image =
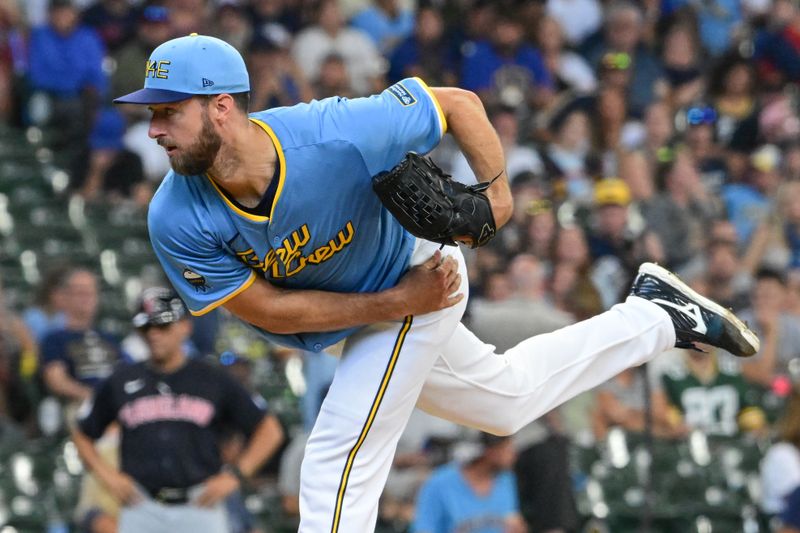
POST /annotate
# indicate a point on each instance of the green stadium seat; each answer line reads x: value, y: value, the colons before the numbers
x: 108, y: 222
x: 25, y: 196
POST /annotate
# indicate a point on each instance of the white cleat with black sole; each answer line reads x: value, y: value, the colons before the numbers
x: 695, y: 317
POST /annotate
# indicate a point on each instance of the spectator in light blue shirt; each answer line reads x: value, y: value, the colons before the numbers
x: 479, y: 496
x: 47, y: 312
x: 386, y: 23
x: 750, y: 204
x: 718, y: 19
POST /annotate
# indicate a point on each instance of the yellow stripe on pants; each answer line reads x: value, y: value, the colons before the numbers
x: 376, y: 403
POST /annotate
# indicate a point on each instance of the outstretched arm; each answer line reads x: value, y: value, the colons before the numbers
x: 469, y: 125
x: 424, y: 289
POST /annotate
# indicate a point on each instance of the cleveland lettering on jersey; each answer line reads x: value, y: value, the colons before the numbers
x: 167, y: 408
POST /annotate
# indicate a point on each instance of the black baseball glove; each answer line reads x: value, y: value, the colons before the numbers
x: 430, y: 205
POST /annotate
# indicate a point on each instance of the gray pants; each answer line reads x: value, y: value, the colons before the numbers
x: 150, y: 516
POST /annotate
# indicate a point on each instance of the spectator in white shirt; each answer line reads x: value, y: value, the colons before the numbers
x: 330, y: 36
x: 569, y: 70
x: 577, y: 28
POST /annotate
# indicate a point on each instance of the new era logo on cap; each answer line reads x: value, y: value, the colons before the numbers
x: 207, y: 82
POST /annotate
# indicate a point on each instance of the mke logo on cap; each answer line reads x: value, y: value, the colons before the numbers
x: 157, y: 69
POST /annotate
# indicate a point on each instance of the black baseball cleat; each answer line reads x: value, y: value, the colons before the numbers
x: 696, y: 318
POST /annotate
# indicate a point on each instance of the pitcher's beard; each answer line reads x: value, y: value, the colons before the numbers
x: 200, y: 156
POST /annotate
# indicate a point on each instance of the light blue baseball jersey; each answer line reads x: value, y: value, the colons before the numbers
x: 327, y: 229
x: 448, y: 504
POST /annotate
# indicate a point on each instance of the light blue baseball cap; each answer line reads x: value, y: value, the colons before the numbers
x: 188, y: 66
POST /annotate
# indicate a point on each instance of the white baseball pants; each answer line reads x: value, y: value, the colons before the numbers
x: 434, y: 362
x: 151, y: 516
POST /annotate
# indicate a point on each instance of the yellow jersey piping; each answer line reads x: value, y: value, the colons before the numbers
x: 281, y: 179
x: 214, y: 305
x: 442, y: 120
x: 281, y: 160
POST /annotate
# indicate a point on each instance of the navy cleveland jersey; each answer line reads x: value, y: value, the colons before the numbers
x: 327, y: 230
x: 171, y: 423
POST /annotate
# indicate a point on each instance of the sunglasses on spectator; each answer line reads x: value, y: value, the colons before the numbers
x: 617, y: 61
x: 701, y: 115
x: 160, y: 327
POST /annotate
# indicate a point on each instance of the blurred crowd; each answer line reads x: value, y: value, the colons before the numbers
x: 657, y: 130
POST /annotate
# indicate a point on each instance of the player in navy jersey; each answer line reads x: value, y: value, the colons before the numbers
x: 172, y: 411
x: 272, y: 215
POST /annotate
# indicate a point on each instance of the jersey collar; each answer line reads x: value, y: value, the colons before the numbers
x: 281, y: 179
